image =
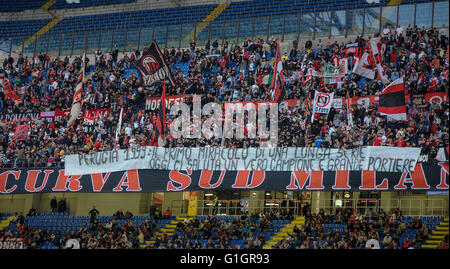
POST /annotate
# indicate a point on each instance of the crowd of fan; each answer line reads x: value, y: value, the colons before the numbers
x: 371, y: 230
x: 233, y: 73
x: 92, y: 235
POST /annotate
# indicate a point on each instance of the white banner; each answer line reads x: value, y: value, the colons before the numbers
x: 383, y: 159
x: 322, y: 103
x: 337, y: 103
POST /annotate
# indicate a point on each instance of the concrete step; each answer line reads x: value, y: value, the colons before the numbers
x: 436, y: 237
x: 167, y: 230
x: 433, y: 242
x: 430, y: 246
x: 438, y: 232
x: 278, y: 238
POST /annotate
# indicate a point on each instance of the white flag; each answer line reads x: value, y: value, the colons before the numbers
x: 322, y: 103
x: 119, y: 125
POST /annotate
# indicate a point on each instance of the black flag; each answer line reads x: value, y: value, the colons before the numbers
x: 153, y: 67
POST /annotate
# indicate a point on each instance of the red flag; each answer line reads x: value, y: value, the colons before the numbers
x: 161, y: 118
x: 278, y: 75
x: 21, y: 132
x: 9, y: 93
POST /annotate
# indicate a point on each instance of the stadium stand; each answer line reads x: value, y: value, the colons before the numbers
x: 52, y: 230
x: 16, y: 6
x: 40, y: 77
x: 230, y: 64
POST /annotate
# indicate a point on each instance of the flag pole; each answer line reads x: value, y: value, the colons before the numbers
x: 119, y: 126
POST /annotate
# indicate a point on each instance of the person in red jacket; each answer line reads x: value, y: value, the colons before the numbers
x: 377, y: 140
x: 168, y: 213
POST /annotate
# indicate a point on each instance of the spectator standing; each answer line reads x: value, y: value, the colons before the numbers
x: 62, y: 205
x: 168, y: 213
x: 93, y: 213
x: 53, y: 204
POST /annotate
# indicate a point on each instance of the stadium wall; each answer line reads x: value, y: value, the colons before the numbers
x: 139, y: 203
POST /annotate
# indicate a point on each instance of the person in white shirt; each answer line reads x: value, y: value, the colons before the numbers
x: 72, y: 243
x: 128, y: 130
x: 399, y: 30
x: 367, y: 120
x: 373, y: 243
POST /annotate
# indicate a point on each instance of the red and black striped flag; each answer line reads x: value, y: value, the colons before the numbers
x: 392, y: 100
x: 161, y: 117
x: 278, y: 76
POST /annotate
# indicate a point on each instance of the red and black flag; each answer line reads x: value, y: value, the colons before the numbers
x: 153, y: 67
x: 161, y: 117
x: 281, y: 89
x: 278, y: 76
x: 392, y: 100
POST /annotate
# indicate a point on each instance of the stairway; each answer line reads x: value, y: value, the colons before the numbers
x: 206, y: 21
x: 283, y: 233
x: 437, y: 235
x: 169, y: 229
x: 44, y: 29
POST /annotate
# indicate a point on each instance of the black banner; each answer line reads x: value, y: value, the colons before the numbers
x: 153, y: 67
x: 431, y: 176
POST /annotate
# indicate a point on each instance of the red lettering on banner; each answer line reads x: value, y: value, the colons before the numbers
x: 205, y: 179
x: 98, y: 181
x: 4, y: 178
x: 300, y: 177
x: 257, y: 179
x: 384, y: 185
x: 417, y: 178
x: 242, y: 178
x: 368, y: 181
x: 341, y: 180
x: 130, y: 179
x: 444, y: 174
x: 179, y: 178
x: 32, y: 176
x: 61, y: 182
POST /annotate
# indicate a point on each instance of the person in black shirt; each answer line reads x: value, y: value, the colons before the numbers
x: 53, y: 204
x: 93, y: 213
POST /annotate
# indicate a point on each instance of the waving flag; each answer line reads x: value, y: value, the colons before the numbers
x: 76, y: 103
x: 9, y: 93
x: 378, y: 47
x: 392, y: 100
x: 370, y: 64
x: 161, y: 117
x: 278, y: 74
x: 153, y: 66
x: 119, y: 126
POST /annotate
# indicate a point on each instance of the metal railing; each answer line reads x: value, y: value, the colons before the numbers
x: 409, y: 206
